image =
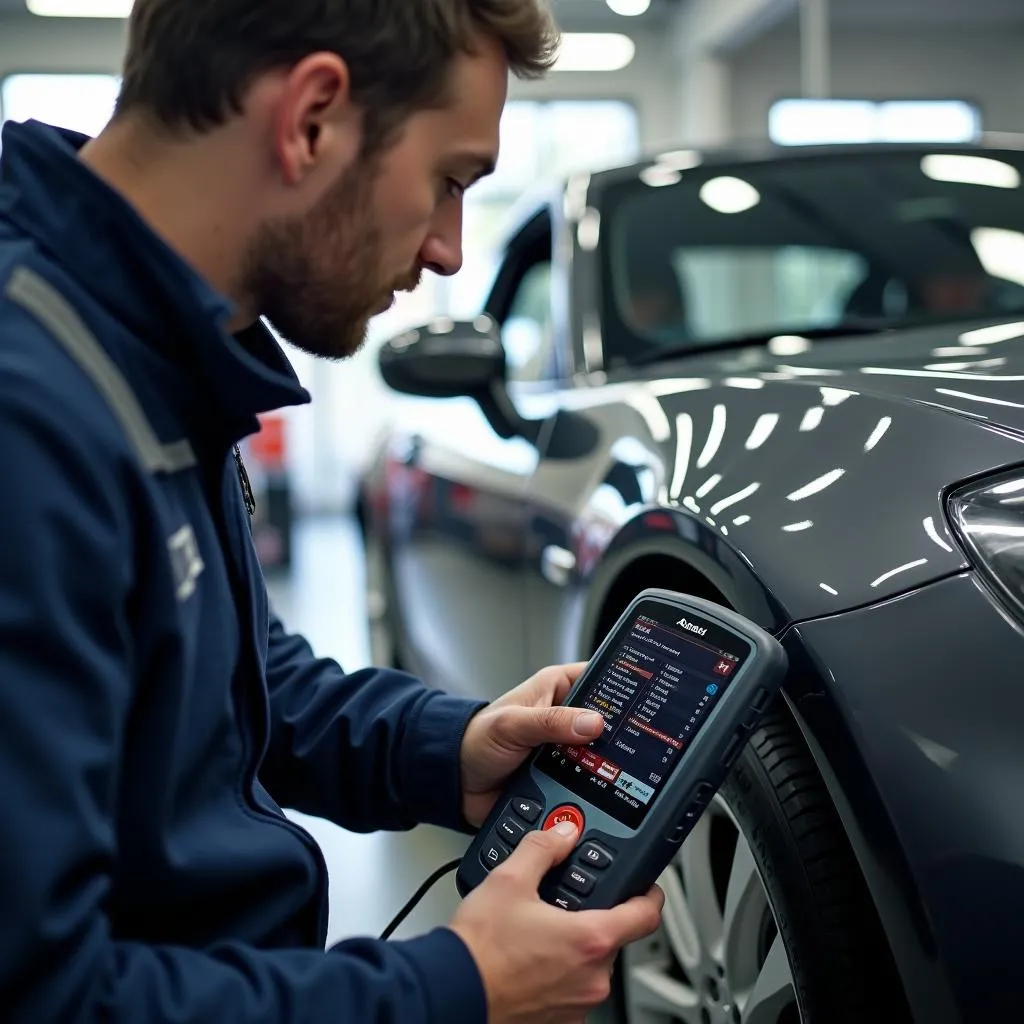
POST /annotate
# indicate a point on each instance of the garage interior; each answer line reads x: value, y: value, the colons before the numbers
x: 637, y: 77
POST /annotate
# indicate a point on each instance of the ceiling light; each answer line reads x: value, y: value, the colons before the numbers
x: 629, y: 8
x: 817, y: 485
x: 992, y: 335
x: 762, y: 430
x: 970, y: 170
x: 720, y: 506
x: 812, y: 418
x: 680, y: 159
x: 80, y: 8
x: 718, y: 419
x: 729, y: 195
x: 1001, y: 252
x: 588, y: 231
x: 595, y: 51
x: 659, y: 175
x: 835, y: 396
x: 788, y: 345
x: 878, y: 433
x: 900, y: 568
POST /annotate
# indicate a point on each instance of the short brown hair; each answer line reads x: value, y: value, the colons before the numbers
x: 189, y: 63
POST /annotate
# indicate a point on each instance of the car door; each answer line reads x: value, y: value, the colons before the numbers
x: 457, y: 562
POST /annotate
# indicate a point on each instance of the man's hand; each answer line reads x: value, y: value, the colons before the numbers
x: 500, y: 737
x: 539, y: 964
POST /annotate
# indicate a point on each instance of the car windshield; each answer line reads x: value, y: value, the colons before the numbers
x: 703, y: 257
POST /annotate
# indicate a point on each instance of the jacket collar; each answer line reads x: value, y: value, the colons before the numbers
x: 94, y: 235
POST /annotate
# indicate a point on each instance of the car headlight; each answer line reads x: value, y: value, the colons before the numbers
x: 989, y: 520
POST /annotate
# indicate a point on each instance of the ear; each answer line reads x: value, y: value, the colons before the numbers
x: 317, y: 127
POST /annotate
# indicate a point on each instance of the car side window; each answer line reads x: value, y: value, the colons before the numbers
x: 528, y: 330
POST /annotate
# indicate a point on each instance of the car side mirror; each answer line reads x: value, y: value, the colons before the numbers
x: 445, y: 359
x: 455, y: 359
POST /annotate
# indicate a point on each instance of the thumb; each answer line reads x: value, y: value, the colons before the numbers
x: 539, y: 852
x: 530, y: 727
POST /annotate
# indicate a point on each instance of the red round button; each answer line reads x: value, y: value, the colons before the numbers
x: 564, y: 813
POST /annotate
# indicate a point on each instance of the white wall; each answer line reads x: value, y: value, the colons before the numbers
x: 53, y: 44
x: 985, y: 65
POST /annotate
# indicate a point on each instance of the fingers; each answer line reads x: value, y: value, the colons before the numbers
x: 633, y: 920
x: 526, y: 728
x: 552, y: 684
x: 567, y: 676
x: 539, y: 852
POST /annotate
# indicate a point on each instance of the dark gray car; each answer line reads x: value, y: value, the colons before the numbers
x: 790, y: 382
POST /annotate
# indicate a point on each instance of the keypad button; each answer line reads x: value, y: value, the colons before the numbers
x: 579, y: 880
x: 593, y: 856
x: 511, y: 831
x: 566, y: 901
x: 564, y: 813
x: 493, y: 852
x: 678, y: 834
x: 703, y: 793
x: 528, y: 810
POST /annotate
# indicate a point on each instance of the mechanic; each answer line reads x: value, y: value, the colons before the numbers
x: 300, y: 160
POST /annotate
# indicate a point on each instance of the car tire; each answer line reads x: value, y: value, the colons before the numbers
x: 814, y: 910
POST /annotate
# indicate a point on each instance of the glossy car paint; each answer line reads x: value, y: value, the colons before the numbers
x: 923, y: 696
x: 808, y: 489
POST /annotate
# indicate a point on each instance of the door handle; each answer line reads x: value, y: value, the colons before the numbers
x: 557, y: 564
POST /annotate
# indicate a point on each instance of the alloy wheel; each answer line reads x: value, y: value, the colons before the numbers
x: 718, y: 957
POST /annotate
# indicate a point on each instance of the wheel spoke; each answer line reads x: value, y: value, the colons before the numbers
x: 745, y: 905
x: 773, y: 991
x: 700, y: 888
x: 678, y: 921
x: 653, y: 990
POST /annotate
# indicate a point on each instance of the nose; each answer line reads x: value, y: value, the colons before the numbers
x: 442, y: 251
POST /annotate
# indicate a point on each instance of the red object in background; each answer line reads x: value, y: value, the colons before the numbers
x: 268, y: 447
x: 723, y: 668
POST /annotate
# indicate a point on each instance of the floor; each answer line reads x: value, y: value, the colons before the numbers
x: 371, y: 876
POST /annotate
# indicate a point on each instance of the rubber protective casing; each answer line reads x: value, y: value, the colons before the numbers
x: 640, y: 855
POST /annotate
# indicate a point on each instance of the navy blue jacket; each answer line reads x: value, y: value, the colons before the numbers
x: 154, y: 714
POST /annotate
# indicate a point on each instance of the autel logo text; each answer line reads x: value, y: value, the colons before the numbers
x: 693, y: 627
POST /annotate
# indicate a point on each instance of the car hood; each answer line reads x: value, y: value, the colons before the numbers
x: 975, y: 372
x: 823, y: 473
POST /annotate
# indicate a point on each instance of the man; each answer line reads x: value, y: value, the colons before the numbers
x: 304, y: 160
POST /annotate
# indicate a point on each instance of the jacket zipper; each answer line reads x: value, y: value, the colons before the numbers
x: 243, y: 698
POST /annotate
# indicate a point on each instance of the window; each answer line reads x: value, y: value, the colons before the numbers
x: 540, y: 141
x: 804, y: 243
x: 527, y: 332
x: 82, y: 103
x: 732, y: 292
x: 802, y: 122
